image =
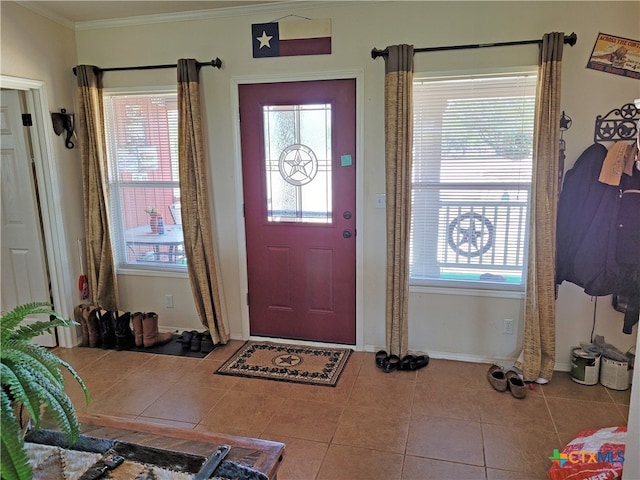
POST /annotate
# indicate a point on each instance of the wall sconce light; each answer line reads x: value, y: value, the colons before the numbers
x: 63, y: 122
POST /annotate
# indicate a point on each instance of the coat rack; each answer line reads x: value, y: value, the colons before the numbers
x: 619, y: 124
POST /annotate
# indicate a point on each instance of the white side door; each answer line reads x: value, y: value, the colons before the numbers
x: 24, y: 271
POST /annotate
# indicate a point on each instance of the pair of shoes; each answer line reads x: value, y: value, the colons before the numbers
x: 185, y: 339
x: 145, y: 328
x: 386, y: 362
x: 115, y: 329
x: 413, y: 362
x: 196, y: 341
x: 501, y: 381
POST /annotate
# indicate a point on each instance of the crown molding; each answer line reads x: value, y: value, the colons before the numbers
x: 44, y: 12
x: 278, y: 7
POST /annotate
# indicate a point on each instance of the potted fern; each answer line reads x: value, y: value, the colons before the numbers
x: 31, y: 379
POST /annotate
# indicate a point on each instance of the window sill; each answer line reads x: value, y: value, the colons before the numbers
x: 467, y: 292
x: 142, y: 272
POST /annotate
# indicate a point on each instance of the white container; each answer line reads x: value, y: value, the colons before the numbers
x: 585, y: 367
x: 614, y: 374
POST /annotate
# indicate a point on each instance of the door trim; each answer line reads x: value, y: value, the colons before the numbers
x: 243, y: 287
x: 48, y: 187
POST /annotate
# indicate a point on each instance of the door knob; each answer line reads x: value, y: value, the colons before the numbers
x: 347, y: 234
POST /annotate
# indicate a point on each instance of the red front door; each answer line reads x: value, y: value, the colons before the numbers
x: 298, y: 165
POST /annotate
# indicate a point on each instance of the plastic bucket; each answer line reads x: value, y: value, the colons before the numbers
x: 585, y: 367
x: 614, y: 374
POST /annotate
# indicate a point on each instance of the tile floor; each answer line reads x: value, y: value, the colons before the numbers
x: 441, y: 422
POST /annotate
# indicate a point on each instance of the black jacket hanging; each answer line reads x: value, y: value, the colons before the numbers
x: 598, y: 232
x: 585, y: 233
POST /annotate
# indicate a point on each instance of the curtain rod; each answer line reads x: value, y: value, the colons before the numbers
x: 568, y: 39
x: 213, y: 63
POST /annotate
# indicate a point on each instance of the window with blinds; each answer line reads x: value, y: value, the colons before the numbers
x: 142, y: 151
x: 471, y: 180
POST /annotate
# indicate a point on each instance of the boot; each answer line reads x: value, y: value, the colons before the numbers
x: 136, y: 320
x: 93, y: 326
x: 107, y: 329
x: 124, y: 336
x: 151, y: 336
x: 79, y: 316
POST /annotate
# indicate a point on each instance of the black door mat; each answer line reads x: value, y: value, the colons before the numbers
x: 172, y: 347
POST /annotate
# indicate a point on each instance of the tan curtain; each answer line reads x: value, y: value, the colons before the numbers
x: 539, y: 350
x: 103, y: 284
x: 200, y: 249
x: 398, y: 160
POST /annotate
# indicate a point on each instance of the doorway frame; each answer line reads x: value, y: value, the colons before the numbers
x: 243, y: 282
x: 55, y: 240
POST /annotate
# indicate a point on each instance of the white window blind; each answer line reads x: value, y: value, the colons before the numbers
x: 142, y: 150
x: 472, y: 166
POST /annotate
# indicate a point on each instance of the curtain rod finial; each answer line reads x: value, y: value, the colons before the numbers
x: 217, y: 63
x: 375, y: 53
x: 571, y: 39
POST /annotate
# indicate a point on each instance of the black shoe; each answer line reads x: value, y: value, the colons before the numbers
x: 124, y: 335
x: 107, y: 328
x: 381, y: 358
x: 185, y: 339
x: 206, y: 343
x: 391, y: 363
x: 406, y: 362
x: 196, y: 341
x: 419, y: 361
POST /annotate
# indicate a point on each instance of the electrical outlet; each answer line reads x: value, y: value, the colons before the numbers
x: 507, y: 326
x: 168, y: 301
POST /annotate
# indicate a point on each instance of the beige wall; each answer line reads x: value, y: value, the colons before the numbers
x: 467, y: 326
x: 36, y: 48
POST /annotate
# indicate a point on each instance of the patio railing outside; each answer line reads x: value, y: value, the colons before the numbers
x: 472, y: 240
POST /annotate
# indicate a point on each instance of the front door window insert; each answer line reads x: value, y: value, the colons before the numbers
x: 297, y: 146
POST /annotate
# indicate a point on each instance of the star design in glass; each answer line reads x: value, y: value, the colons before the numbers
x: 298, y: 164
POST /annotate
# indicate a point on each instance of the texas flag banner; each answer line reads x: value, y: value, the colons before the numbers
x: 296, y: 37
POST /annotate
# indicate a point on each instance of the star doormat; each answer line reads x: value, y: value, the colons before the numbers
x: 287, y: 363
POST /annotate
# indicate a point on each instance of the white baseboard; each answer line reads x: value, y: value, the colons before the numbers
x: 460, y: 357
x: 463, y: 357
x: 178, y: 330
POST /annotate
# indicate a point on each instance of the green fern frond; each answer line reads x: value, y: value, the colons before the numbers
x: 32, y: 330
x: 12, y: 319
x: 22, y: 389
x: 33, y: 357
x: 31, y: 376
x: 15, y: 463
x: 31, y: 393
x: 60, y: 407
x: 77, y: 378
